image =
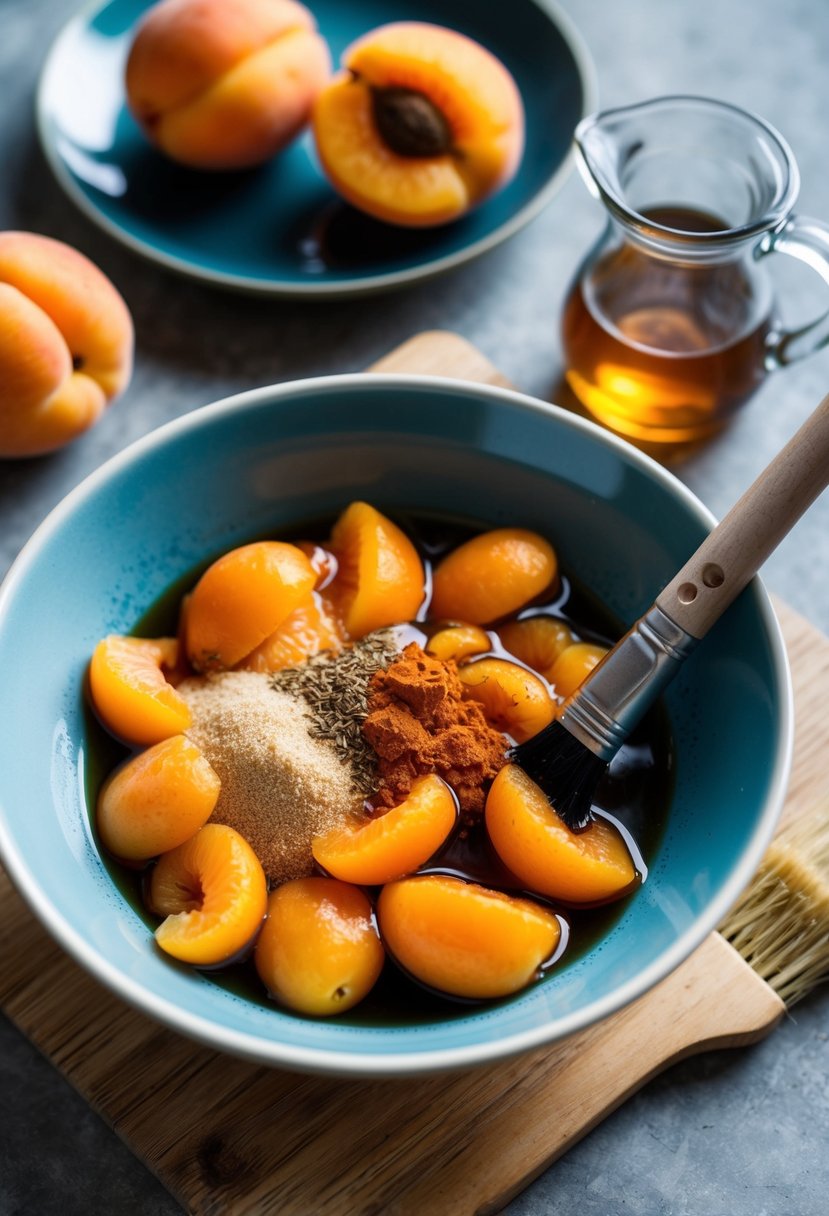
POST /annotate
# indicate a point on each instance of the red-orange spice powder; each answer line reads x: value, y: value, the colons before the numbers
x: 418, y: 722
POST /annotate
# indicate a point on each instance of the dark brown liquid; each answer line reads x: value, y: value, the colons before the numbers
x: 665, y: 353
x: 634, y: 794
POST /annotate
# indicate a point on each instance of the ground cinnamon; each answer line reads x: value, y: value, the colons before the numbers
x: 418, y: 722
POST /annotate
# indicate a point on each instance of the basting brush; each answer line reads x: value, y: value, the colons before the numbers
x: 568, y: 758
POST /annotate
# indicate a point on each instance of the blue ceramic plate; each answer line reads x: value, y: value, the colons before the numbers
x: 280, y: 229
x: 268, y: 460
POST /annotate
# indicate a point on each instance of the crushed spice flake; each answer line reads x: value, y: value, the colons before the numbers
x: 335, y: 691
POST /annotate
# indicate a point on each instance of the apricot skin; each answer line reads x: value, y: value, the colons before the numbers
x: 589, y: 867
x: 492, y: 575
x: 475, y: 98
x: 318, y: 952
x: 66, y: 343
x: 464, y: 939
x: 156, y: 800
x: 225, y: 84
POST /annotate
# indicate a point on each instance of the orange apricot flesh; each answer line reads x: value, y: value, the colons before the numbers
x: 492, y: 575
x: 310, y: 629
x: 318, y: 952
x: 513, y: 699
x: 242, y: 599
x: 573, y: 666
x: 458, y: 642
x: 537, y: 641
x: 157, y: 800
x: 130, y: 691
x: 212, y: 892
x: 380, y: 578
x: 395, y: 843
x: 587, y: 867
x: 464, y: 939
x: 417, y: 171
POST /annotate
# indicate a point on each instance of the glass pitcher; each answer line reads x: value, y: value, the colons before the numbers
x: 670, y: 324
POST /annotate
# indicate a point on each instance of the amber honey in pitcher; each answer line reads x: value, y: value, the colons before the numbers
x: 664, y: 352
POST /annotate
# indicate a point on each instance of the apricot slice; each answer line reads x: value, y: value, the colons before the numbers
x: 380, y: 578
x: 422, y: 125
x: 130, y: 691
x: 464, y: 939
x: 213, y: 895
x: 319, y: 952
x: 513, y: 699
x: 492, y: 575
x: 395, y: 843
x: 592, y: 866
x: 536, y: 641
x: 458, y: 642
x: 573, y: 665
x: 156, y: 800
x: 242, y: 599
x: 310, y: 629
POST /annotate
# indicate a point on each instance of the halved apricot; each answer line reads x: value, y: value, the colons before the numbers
x: 492, y: 575
x: 130, y: 691
x: 319, y: 952
x: 393, y: 844
x: 213, y: 895
x: 536, y: 641
x: 380, y: 578
x: 573, y: 666
x: 241, y: 599
x: 423, y: 124
x: 156, y: 800
x: 592, y: 866
x: 513, y: 699
x: 310, y: 629
x: 465, y: 939
x: 458, y: 642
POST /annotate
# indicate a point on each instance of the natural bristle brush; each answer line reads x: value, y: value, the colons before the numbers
x: 568, y: 758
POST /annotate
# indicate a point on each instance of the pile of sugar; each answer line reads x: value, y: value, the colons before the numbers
x: 280, y: 786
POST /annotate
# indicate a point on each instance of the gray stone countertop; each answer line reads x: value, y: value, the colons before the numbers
x: 742, y: 1133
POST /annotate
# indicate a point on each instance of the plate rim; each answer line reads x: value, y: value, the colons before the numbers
x: 343, y: 1062
x: 343, y: 288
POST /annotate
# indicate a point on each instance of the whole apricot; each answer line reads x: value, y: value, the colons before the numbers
x: 157, y: 800
x: 66, y: 343
x: 211, y: 890
x: 318, y: 952
x: 590, y: 867
x: 492, y: 575
x: 225, y: 84
x: 537, y: 641
x: 464, y: 939
x: 423, y: 124
x: 574, y: 665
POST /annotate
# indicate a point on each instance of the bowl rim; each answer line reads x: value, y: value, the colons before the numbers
x: 350, y: 288
x: 348, y: 1063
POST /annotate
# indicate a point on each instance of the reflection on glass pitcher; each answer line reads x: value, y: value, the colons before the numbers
x: 669, y: 325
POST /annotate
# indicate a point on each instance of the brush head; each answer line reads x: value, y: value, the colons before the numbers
x: 566, y: 771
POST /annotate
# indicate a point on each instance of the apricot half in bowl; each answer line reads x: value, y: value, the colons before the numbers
x: 262, y: 464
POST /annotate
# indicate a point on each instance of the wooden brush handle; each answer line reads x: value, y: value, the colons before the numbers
x: 736, y: 549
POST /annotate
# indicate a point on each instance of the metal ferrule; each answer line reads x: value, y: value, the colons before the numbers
x: 604, y: 710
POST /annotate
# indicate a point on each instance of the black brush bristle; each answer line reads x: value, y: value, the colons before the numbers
x: 566, y: 770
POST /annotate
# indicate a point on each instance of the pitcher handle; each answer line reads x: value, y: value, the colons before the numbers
x: 807, y: 240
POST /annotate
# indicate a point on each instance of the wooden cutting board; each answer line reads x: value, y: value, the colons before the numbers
x: 229, y: 1137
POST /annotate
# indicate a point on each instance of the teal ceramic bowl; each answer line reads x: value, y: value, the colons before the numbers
x: 270, y: 459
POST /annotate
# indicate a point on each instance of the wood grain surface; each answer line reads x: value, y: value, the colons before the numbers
x: 229, y: 1137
